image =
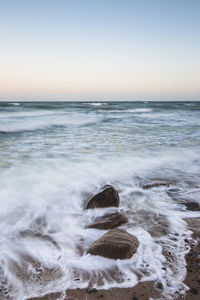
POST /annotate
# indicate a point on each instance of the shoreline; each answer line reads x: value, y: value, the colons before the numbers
x: 147, y: 290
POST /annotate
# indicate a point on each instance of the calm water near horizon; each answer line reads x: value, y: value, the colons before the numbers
x: 53, y: 154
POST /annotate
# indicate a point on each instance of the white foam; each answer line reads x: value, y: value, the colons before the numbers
x: 20, y: 114
x: 42, y: 123
x: 96, y: 103
x: 140, y: 110
x: 15, y: 103
x: 134, y: 110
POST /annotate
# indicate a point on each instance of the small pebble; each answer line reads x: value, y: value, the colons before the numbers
x: 194, y: 291
x: 159, y: 285
x: 90, y: 291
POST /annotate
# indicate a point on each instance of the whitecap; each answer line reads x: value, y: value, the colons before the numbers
x: 96, y: 103
x: 15, y: 103
x: 139, y: 110
x: 20, y: 114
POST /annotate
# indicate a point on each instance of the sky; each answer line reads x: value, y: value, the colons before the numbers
x: 99, y: 50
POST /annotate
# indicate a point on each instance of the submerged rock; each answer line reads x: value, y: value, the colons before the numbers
x: 107, y: 198
x: 155, y: 184
x: 43, y: 237
x: 116, y: 243
x: 193, y: 206
x: 186, y: 199
x: 109, y: 221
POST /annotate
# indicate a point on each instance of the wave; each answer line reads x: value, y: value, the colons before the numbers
x: 139, y: 110
x: 135, y: 111
x: 20, y: 114
x: 15, y: 103
x: 156, y: 115
x: 48, y: 197
x: 33, y: 125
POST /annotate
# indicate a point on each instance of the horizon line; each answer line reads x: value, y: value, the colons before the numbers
x: 93, y: 101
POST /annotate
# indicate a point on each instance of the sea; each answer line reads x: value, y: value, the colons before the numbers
x: 54, y: 156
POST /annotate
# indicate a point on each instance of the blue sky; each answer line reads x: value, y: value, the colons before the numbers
x: 87, y: 50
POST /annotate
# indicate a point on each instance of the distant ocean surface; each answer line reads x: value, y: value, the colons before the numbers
x: 54, y: 154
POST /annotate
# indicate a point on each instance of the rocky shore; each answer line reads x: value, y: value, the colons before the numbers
x: 119, y: 244
x: 147, y: 290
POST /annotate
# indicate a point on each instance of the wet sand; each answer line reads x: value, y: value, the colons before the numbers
x: 193, y: 262
x: 141, y: 291
x: 147, y: 290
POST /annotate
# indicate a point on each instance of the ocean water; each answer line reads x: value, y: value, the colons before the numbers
x: 55, y: 156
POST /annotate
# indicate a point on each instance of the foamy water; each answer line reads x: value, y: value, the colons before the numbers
x: 55, y: 156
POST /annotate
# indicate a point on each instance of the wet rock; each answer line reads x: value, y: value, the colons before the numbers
x: 107, y: 198
x: 190, y: 205
x: 194, y: 291
x: 159, y: 285
x: 116, y: 243
x: 91, y: 291
x: 194, y: 206
x: 186, y: 199
x: 109, y: 221
x: 155, y: 184
x: 156, y: 224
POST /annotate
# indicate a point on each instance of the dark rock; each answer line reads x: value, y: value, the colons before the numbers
x: 107, y: 198
x: 109, y: 221
x: 116, y: 243
x: 194, y: 291
x: 156, y: 184
x: 159, y: 285
x: 194, y: 206
x: 91, y: 291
